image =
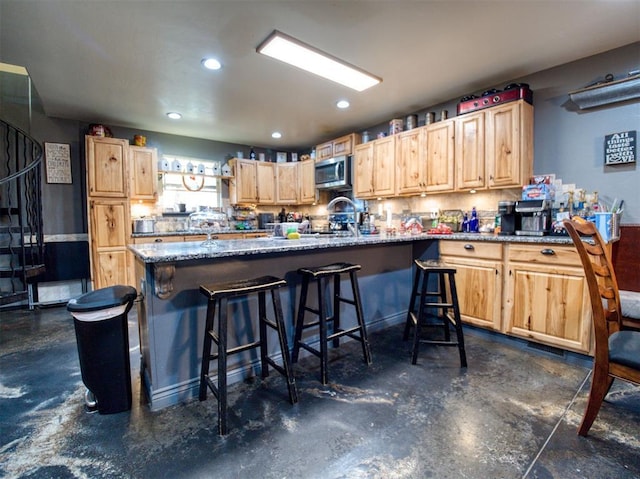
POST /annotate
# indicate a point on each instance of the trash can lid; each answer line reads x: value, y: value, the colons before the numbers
x: 103, y: 298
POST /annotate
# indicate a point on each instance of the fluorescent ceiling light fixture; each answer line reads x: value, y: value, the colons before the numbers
x: 276, y: 135
x: 211, y: 64
x: 342, y: 104
x: 174, y: 115
x: 289, y: 50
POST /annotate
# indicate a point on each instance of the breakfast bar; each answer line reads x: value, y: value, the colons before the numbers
x: 171, y: 310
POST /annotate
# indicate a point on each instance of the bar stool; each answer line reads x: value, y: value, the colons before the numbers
x: 322, y: 274
x: 434, y: 300
x: 218, y: 295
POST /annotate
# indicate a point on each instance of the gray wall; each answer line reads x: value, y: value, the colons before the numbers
x: 568, y: 143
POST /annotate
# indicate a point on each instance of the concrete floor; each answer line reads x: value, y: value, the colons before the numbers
x: 512, y: 414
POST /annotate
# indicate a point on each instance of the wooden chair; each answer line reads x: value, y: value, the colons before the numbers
x: 617, y: 351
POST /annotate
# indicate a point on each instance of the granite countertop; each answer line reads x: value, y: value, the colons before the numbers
x: 193, y: 233
x: 192, y: 250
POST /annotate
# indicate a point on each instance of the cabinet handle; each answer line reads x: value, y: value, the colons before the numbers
x: 113, y: 158
x: 548, y: 252
x: 158, y: 240
x: 469, y: 247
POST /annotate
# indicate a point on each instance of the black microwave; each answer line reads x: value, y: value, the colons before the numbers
x: 334, y: 173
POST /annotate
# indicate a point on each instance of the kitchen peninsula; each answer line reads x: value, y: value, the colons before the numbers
x: 171, y: 311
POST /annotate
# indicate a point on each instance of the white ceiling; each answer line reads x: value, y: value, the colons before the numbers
x: 127, y: 63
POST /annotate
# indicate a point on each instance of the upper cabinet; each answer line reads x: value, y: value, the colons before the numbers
x: 440, y: 158
x: 494, y: 147
x: 243, y: 186
x: 286, y: 183
x: 265, y: 182
x: 307, y: 182
x: 107, y: 167
x: 340, y: 146
x: 144, y: 172
x: 411, y: 161
x: 374, y: 169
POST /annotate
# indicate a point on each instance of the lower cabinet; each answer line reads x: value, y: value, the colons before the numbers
x: 110, y: 229
x: 478, y: 280
x: 547, y: 298
x: 533, y: 291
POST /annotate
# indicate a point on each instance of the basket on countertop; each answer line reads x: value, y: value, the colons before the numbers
x: 452, y: 218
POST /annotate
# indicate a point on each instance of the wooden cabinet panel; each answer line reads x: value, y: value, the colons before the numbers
x: 266, y: 182
x: 479, y: 286
x: 384, y: 167
x: 374, y: 169
x: 494, y: 147
x: 363, y: 169
x: 307, y: 182
x: 243, y: 186
x: 440, y: 159
x: 469, y: 151
x: 340, y: 146
x: 144, y: 172
x: 107, y: 167
x: 479, y: 278
x: 287, y: 183
x: 324, y: 151
x: 109, y: 223
x: 547, y: 297
x: 111, y: 268
x: 411, y: 161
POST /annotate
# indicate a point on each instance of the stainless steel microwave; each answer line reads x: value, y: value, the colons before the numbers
x: 334, y: 173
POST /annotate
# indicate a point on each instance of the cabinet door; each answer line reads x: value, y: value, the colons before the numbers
x: 243, y: 187
x: 110, y: 230
x: 324, y: 151
x: 549, y: 304
x: 363, y: 171
x: 440, y: 158
x: 479, y: 286
x: 411, y: 161
x: 266, y: 183
x: 470, y: 151
x: 509, y: 144
x: 307, y: 182
x: 144, y: 172
x: 287, y: 183
x: 343, y: 145
x: 107, y: 172
x: 384, y: 173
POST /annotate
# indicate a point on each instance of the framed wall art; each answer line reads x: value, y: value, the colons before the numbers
x: 57, y: 158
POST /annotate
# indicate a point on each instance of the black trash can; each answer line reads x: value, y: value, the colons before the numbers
x: 100, y: 319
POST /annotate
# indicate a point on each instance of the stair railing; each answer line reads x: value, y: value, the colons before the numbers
x: 21, y: 223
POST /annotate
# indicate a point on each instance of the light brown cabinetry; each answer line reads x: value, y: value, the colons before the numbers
x: 144, y: 173
x: 265, y: 182
x: 479, y: 278
x: 243, y: 187
x: 338, y: 147
x: 307, y: 182
x: 110, y: 229
x: 546, y: 296
x: 440, y: 157
x: 287, y: 183
x: 374, y: 169
x: 411, y: 161
x: 107, y: 167
x: 494, y: 147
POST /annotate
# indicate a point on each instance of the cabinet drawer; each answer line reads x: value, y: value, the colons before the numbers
x: 471, y: 249
x: 547, y: 254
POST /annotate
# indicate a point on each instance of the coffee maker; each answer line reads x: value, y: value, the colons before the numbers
x: 509, y: 221
x: 534, y: 216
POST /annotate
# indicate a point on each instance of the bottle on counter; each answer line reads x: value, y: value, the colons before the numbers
x: 474, y: 227
x: 282, y: 216
x: 465, y: 223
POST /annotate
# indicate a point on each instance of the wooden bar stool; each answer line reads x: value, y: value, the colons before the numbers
x: 218, y: 296
x: 447, y: 309
x: 322, y: 274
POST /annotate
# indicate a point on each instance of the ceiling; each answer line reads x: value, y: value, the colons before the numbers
x: 128, y: 63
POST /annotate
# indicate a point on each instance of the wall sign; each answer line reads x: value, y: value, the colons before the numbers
x: 58, y: 163
x: 620, y: 148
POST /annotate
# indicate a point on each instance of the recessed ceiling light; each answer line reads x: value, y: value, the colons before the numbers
x: 342, y: 104
x: 211, y: 64
x: 174, y: 115
x: 276, y: 135
x: 290, y: 50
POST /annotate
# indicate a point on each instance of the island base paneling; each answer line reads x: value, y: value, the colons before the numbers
x: 172, y: 329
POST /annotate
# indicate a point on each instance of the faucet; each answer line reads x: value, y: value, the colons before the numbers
x: 343, y: 199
